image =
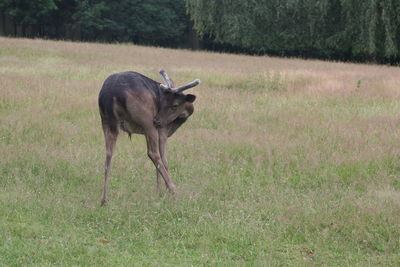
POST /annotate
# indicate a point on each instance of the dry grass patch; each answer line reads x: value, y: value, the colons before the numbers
x: 285, y: 161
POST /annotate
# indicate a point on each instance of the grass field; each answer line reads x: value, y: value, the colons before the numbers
x: 285, y: 162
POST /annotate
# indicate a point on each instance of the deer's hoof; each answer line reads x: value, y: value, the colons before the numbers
x: 172, y: 189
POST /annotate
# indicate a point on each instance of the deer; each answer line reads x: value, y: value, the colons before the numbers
x: 136, y: 104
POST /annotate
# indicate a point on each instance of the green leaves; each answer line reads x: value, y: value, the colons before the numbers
x: 153, y: 22
x: 28, y: 11
x: 333, y: 29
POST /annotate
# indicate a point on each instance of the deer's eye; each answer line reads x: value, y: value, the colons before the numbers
x: 174, y: 107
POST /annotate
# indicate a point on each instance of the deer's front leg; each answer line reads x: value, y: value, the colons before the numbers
x: 154, y: 153
x: 162, y: 142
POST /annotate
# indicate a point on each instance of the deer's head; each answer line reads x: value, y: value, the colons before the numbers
x: 174, y: 104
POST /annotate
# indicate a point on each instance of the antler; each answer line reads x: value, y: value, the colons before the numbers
x: 187, y: 86
x: 170, y: 84
x: 166, y: 79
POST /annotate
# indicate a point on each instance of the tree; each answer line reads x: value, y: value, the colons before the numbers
x: 333, y: 29
x: 155, y: 22
x: 28, y: 12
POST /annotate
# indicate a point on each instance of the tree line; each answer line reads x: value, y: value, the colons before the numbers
x: 153, y: 22
x: 357, y: 30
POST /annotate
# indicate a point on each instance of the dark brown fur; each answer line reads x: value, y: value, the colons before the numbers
x: 136, y: 104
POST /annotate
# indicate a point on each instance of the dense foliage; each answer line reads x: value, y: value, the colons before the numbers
x: 153, y: 22
x: 361, y: 30
x: 156, y: 22
x: 366, y: 30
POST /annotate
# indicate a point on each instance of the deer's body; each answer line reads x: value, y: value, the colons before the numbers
x: 129, y: 100
x: 136, y: 104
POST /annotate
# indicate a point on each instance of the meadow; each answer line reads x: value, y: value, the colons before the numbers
x: 285, y: 162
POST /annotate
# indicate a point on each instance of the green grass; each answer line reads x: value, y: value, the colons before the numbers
x: 284, y: 162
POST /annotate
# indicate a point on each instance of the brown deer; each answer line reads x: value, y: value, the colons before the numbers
x: 137, y: 104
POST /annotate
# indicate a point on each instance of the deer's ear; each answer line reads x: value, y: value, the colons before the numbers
x: 190, y: 98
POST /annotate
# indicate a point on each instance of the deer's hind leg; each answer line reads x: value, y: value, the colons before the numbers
x: 110, y: 136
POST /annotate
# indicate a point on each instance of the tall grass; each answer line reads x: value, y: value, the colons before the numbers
x: 285, y: 162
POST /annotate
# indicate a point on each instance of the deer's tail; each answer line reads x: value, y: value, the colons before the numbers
x: 106, y: 106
